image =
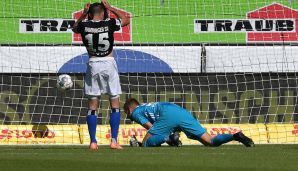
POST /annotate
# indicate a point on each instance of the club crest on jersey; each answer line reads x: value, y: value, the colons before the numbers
x: 272, y: 23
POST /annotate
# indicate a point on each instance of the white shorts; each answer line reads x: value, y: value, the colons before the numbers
x: 102, y: 77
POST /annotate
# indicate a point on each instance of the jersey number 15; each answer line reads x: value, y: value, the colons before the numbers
x: 103, y: 43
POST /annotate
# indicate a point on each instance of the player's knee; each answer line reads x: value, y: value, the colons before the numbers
x: 114, y: 101
x: 112, y: 97
x: 92, y: 98
x: 93, y: 102
x: 150, y: 143
x: 92, y: 105
x: 154, y: 141
x: 206, y: 140
x: 91, y: 112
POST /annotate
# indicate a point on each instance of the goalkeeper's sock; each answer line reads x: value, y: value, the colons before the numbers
x: 221, y: 139
x: 92, y: 122
x: 114, y: 123
x: 154, y: 141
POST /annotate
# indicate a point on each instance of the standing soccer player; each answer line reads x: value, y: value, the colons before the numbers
x: 163, y: 118
x: 102, y: 74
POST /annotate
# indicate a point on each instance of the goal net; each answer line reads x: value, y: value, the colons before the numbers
x: 233, y: 64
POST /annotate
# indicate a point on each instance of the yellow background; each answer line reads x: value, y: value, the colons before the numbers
x: 78, y: 134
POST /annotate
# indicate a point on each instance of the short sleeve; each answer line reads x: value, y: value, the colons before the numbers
x: 139, y: 118
x: 80, y: 28
x: 116, y: 24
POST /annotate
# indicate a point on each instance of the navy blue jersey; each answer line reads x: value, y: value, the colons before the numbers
x: 98, y: 36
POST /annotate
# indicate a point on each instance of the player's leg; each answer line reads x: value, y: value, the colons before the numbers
x: 196, y: 132
x: 160, y: 131
x: 216, y: 141
x: 225, y: 138
x: 92, y: 90
x: 193, y: 130
x: 113, y: 88
x: 115, y: 121
x: 171, y: 140
x: 154, y: 140
x: 92, y: 121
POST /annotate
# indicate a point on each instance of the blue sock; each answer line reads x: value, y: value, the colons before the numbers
x: 92, y: 122
x: 114, y: 123
x: 221, y: 139
x: 154, y: 141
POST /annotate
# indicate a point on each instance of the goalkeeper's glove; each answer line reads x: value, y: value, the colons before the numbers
x: 133, y: 142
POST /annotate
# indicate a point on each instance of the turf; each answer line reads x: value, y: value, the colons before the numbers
x: 231, y: 158
x: 151, y: 22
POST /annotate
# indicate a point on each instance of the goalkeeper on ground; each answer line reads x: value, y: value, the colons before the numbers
x: 163, y: 118
x: 102, y: 74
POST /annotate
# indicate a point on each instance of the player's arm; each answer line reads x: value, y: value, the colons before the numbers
x: 147, y: 125
x: 134, y: 142
x: 140, y: 119
x: 82, y: 17
x: 124, y: 20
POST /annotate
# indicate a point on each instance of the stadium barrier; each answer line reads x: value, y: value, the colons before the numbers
x: 39, y: 134
x: 282, y: 133
x: 78, y: 134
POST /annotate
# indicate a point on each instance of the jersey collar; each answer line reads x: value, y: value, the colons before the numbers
x: 133, y: 113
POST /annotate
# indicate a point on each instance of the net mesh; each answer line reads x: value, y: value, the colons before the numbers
x: 236, y: 77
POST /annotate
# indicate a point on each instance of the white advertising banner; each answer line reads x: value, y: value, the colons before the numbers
x: 252, y: 59
x: 72, y: 59
x: 148, y: 59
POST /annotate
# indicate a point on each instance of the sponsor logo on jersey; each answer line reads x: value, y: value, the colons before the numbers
x: 96, y: 30
x: 272, y: 23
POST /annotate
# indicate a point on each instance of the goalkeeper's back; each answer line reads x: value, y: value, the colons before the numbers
x: 151, y: 112
x: 147, y: 112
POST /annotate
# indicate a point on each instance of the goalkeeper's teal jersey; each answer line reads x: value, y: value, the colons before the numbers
x: 148, y: 112
x: 167, y: 118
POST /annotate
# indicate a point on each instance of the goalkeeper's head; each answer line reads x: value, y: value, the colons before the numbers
x: 130, y: 105
x: 99, y: 10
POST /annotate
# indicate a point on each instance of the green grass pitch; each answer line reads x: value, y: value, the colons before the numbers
x: 224, y: 158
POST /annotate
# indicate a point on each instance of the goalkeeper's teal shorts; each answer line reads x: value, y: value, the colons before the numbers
x: 175, y: 118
